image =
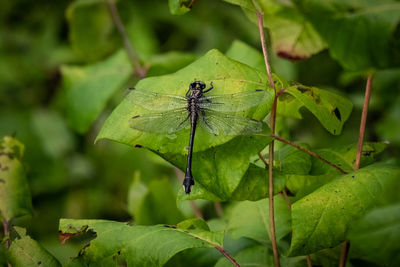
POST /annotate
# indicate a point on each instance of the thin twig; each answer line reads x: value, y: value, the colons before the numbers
x: 6, y: 231
x: 139, y: 70
x: 363, y: 123
x: 309, y: 264
x: 225, y: 253
x: 271, y: 145
x: 309, y: 152
x: 263, y: 159
x: 346, y: 244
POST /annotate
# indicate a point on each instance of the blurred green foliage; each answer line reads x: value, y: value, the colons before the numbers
x: 49, y: 48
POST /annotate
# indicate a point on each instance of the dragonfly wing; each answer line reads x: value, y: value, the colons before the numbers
x: 162, y: 123
x: 221, y: 123
x: 156, y: 101
x: 235, y: 102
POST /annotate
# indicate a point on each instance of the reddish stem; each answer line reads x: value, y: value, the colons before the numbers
x: 271, y: 145
x: 6, y: 231
x: 346, y: 244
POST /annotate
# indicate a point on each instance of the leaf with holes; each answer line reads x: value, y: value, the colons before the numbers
x: 139, y: 245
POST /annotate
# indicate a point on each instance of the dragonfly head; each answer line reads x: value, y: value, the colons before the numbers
x: 197, y: 85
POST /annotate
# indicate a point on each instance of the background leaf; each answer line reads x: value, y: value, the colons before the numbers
x: 178, y: 7
x: 256, y: 224
x: 375, y: 236
x: 348, y: 27
x: 140, y: 245
x: 15, y: 196
x: 89, y: 88
x: 321, y: 219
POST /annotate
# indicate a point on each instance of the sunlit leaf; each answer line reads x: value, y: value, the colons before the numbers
x: 321, y: 219
x: 139, y: 245
x: 179, y: 7
x: 15, y: 196
x: 24, y: 251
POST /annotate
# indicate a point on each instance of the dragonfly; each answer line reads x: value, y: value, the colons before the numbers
x: 212, y: 112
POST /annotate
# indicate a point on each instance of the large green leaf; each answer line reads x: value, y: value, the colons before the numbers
x: 90, y: 28
x: 246, y: 54
x: 139, y: 245
x: 256, y: 224
x: 376, y: 236
x: 212, y: 168
x: 89, y: 88
x: 292, y: 36
x: 15, y: 197
x: 360, y: 34
x: 26, y: 252
x: 332, y: 110
x: 321, y: 219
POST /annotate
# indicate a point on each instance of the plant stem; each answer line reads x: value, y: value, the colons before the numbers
x: 309, y: 152
x: 225, y: 253
x: 6, y: 231
x: 363, y: 123
x: 271, y: 145
x: 309, y: 264
x: 346, y: 244
x: 139, y: 70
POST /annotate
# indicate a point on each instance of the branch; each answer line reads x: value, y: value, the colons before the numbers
x: 6, y: 231
x: 309, y: 152
x: 271, y: 145
x: 139, y: 70
x: 346, y: 244
x: 225, y: 253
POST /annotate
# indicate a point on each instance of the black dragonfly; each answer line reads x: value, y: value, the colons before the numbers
x: 210, y: 112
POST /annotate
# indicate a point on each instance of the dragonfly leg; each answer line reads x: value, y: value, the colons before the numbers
x: 209, y: 89
x: 180, y: 124
x: 203, y: 117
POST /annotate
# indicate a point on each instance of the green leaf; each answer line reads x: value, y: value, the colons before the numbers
x: 179, y: 7
x: 360, y: 34
x: 25, y: 252
x: 332, y: 110
x: 15, y: 197
x: 214, y: 170
x: 345, y: 156
x: 216, y: 179
x: 154, y: 204
x: 321, y: 219
x: 89, y: 88
x: 140, y: 245
x: 290, y: 160
x: 256, y: 224
x: 376, y: 236
x: 246, y: 54
x: 90, y: 29
x: 254, y: 184
x: 292, y: 36
x: 168, y: 62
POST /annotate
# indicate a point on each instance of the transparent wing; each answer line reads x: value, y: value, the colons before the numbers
x: 156, y: 101
x: 162, y: 123
x: 235, y: 102
x: 221, y: 123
